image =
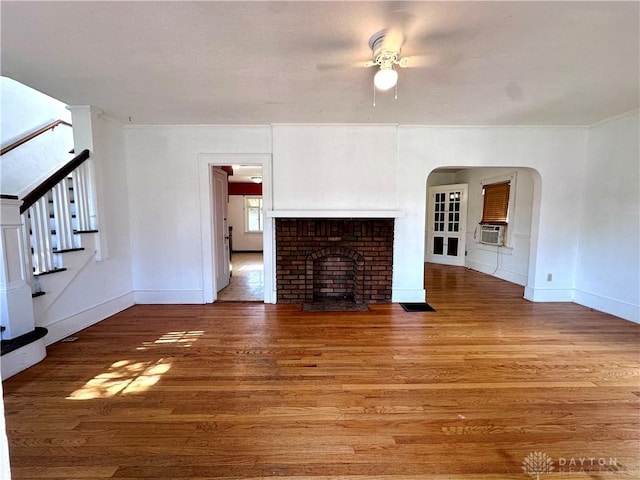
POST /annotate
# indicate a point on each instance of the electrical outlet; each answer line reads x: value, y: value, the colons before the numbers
x: 549, y: 277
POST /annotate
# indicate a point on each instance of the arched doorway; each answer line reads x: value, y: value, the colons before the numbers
x: 509, y: 260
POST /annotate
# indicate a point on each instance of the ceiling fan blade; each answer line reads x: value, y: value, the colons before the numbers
x: 417, y: 61
x: 401, y: 23
x: 343, y: 65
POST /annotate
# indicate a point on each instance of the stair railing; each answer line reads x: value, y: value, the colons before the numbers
x: 55, y: 212
x: 33, y: 135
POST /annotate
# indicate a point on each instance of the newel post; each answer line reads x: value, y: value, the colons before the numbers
x: 16, y: 303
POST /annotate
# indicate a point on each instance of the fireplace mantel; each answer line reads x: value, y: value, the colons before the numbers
x: 335, y: 214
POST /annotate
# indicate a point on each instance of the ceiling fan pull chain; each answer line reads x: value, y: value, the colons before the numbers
x: 374, y: 95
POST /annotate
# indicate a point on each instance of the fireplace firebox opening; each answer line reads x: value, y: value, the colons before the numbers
x: 335, y: 273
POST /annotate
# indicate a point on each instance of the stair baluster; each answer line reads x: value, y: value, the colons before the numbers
x: 41, y: 239
x: 62, y: 218
x: 81, y: 197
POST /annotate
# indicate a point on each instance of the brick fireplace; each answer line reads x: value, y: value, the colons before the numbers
x: 324, y: 259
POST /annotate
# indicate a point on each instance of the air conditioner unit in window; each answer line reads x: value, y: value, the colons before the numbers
x: 491, y: 234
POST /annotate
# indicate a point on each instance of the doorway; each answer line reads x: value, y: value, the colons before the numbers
x: 510, y: 259
x: 447, y: 224
x: 246, y: 229
x: 213, y: 241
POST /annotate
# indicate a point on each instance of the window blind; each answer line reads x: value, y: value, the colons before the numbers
x: 496, y: 204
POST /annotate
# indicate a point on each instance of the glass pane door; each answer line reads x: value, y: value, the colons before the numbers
x: 446, y: 226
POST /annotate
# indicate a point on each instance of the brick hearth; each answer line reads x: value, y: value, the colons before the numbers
x: 334, y: 258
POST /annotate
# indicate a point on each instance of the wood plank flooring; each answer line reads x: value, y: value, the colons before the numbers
x: 250, y: 391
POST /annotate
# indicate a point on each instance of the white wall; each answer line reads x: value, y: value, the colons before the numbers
x: 242, y: 240
x: 345, y: 167
x: 608, y: 267
x: 24, y: 110
x: 164, y: 195
x: 512, y: 261
x: 102, y: 288
x: 334, y: 167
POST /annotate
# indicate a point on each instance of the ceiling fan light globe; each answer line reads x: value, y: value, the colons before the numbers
x: 385, y: 78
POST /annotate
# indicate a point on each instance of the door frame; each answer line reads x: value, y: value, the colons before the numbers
x: 205, y: 162
x: 462, y: 233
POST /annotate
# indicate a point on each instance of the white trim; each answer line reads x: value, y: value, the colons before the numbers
x: 334, y: 124
x: 612, y: 306
x: 335, y: 213
x: 205, y: 162
x: 501, y: 273
x: 168, y: 297
x: 514, y: 127
x: 23, y: 358
x: 504, y: 250
x: 195, y: 125
x: 408, y: 295
x: 245, y: 211
x: 615, y: 117
x: 548, y: 294
x: 74, y: 323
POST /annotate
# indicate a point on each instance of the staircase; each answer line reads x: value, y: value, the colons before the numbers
x: 48, y: 237
x: 55, y: 216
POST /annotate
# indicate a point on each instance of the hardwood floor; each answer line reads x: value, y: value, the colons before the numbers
x: 248, y: 391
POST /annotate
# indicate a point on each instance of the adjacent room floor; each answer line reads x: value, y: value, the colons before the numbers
x: 489, y: 386
x: 247, y: 280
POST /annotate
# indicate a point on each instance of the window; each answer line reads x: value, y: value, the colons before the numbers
x: 495, y: 210
x: 253, y: 214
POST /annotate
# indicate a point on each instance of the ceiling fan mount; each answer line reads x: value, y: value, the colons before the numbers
x: 385, y: 47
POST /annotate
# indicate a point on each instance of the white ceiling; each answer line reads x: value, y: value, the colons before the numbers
x: 490, y: 63
x: 243, y: 173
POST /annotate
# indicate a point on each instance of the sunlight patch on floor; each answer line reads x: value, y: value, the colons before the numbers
x: 122, y: 378
x: 127, y: 376
x: 182, y: 339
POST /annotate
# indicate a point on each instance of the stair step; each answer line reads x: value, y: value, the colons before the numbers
x: 55, y: 270
x: 53, y: 232
x: 65, y: 250
x: 8, y: 346
x: 37, y: 294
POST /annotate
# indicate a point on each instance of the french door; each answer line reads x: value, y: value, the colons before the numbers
x: 447, y: 224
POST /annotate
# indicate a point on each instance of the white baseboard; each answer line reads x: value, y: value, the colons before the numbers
x: 608, y: 305
x: 175, y: 297
x: 22, y: 358
x: 408, y: 295
x: 67, y: 326
x: 548, y: 294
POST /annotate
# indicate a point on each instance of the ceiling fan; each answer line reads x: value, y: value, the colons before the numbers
x: 385, y: 46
